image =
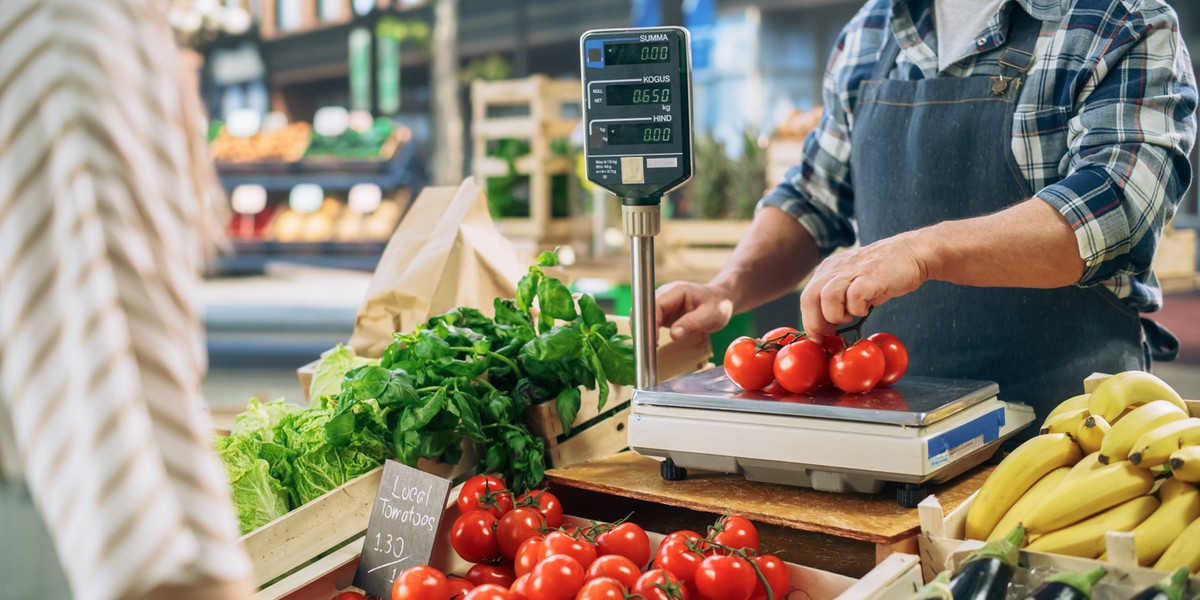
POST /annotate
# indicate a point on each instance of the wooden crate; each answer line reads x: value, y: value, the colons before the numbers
x: 1175, y: 260
x: 541, y: 102
x: 699, y: 246
x: 893, y: 579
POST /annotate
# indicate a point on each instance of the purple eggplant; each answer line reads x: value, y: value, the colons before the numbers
x: 1068, y: 586
x: 987, y: 573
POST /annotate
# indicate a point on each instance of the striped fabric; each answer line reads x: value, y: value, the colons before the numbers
x: 1102, y: 130
x: 103, y: 218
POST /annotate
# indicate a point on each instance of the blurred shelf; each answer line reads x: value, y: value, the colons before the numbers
x: 403, y: 170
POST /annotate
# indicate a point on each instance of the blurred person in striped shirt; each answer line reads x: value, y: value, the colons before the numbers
x: 107, y: 210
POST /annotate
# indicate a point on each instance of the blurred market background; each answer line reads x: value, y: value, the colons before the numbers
x: 328, y: 117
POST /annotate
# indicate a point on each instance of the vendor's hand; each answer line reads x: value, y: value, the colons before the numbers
x: 691, y: 309
x: 846, y: 285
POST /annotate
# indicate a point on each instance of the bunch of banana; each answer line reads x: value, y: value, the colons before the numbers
x: 1180, y: 507
x: 1119, y: 441
x: 1088, y: 494
x: 1155, y: 446
x: 1031, y: 461
x: 1130, y: 389
x: 1185, y: 464
x: 1090, y: 435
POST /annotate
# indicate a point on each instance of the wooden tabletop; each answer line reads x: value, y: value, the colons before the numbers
x: 870, y: 518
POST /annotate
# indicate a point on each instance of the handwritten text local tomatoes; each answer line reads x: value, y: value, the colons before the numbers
x: 799, y: 365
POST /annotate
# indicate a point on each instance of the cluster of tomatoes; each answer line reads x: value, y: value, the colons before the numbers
x: 522, y: 551
x: 786, y: 358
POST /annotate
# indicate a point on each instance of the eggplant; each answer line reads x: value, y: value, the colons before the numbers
x: 1068, y: 586
x: 1170, y: 588
x: 938, y: 589
x: 986, y: 573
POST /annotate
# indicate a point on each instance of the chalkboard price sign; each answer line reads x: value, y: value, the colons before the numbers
x: 404, y: 522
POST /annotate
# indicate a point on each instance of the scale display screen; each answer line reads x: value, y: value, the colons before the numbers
x: 637, y: 53
x: 623, y: 135
x: 625, y: 95
x: 637, y: 110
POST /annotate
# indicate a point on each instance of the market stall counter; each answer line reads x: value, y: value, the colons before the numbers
x: 842, y: 533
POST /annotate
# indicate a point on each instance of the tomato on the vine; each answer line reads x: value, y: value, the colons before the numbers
x: 516, y: 526
x: 545, y: 503
x: 725, y: 577
x: 783, y: 335
x: 558, y: 577
x: 775, y: 571
x: 857, y: 368
x: 617, y: 567
x: 748, y: 364
x: 351, y: 595
x: 675, y: 556
x: 520, y: 587
x: 736, y: 532
x: 457, y: 587
x: 490, y: 591
x: 628, y: 540
x: 800, y: 366
x: 833, y: 344
x: 502, y: 575
x: 420, y: 583
x: 583, y: 551
x: 529, y: 555
x: 895, y: 356
x: 486, y: 492
x: 473, y: 537
x: 660, y: 584
x: 602, y: 588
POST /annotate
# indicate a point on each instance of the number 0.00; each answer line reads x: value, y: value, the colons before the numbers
x: 654, y: 53
x: 656, y: 134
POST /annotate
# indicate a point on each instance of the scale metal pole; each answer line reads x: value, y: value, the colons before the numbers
x: 641, y: 223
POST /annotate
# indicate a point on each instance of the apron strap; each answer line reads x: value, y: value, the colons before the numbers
x: 1162, y: 344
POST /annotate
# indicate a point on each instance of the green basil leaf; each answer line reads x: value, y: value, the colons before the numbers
x: 527, y: 289
x: 617, y: 359
x: 406, y: 444
x: 434, y: 403
x: 554, y: 300
x: 567, y: 405
x: 591, y: 312
x: 589, y: 354
x: 339, y: 429
x: 462, y: 406
x: 548, y: 258
x: 560, y: 343
x: 399, y: 391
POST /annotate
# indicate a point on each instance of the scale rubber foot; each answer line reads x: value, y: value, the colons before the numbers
x: 909, y: 495
x: 671, y: 472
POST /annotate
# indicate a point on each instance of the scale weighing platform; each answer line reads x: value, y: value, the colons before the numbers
x: 637, y: 107
x: 921, y: 430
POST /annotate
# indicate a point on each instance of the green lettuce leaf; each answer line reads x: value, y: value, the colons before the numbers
x: 318, y: 466
x: 327, y: 379
x: 258, y: 497
x: 259, y: 419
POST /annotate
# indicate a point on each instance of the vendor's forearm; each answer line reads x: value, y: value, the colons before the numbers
x: 1027, y: 245
x: 774, y: 257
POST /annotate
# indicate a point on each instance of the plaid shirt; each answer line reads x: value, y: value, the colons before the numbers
x: 1102, y: 129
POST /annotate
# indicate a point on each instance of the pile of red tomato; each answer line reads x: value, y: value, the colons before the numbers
x: 799, y: 365
x: 522, y: 551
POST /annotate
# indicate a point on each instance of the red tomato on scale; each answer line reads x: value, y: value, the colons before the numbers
x: 748, y: 364
x: 857, y: 368
x: 800, y: 367
x: 895, y: 356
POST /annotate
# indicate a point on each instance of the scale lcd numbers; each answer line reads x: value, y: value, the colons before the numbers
x: 637, y: 110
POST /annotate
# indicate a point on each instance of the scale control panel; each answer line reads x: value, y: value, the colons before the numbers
x: 637, y: 110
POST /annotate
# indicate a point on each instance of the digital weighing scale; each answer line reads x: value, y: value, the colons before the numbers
x: 638, y: 129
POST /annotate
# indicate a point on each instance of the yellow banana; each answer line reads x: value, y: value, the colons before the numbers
x: 1085, y: 465
x: 1089, y: 494
x: 1180, y: 505
x: 1032, y: 460
x: 1185, y: 464
x: 1067, y: 422
x: 1086, y: 538
x: 1070, y: 404
x: 1119, y: 440
x: 1155, y: 446
x: 1183, y: 552
x: 1028, y: 501
x: 1127, y: 389
x: 1091, y: 432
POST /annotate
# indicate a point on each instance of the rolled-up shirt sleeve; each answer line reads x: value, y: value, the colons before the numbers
x: 1126, y: 166
x: 817, y: 191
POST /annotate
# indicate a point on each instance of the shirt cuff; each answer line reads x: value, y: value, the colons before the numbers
x: 1092, y: 206
x: 819, y: 222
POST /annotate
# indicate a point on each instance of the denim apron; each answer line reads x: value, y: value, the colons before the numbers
x: 938, y: 149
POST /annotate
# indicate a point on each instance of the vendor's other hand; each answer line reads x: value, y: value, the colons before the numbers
x: 692, y: 309
x: 846, y: 285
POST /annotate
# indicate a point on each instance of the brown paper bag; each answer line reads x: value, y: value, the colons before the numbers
x: 446, y: 253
